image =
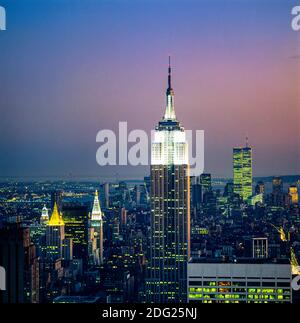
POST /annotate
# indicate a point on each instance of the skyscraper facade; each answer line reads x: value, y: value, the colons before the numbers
x: 277, y: 191
x: 76, y: 228
x: 242, y: 280
x: 18, y: 257
x: 170, y: 209
x: 45, y: 216
x: 242, y: 171
x: 96, y: 233
x: 55, y: 234
x: 293, y: 194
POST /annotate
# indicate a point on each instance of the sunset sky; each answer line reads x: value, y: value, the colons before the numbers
x: 69, y: 68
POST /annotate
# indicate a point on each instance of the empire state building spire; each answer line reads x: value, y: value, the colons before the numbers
x: 170, y: 111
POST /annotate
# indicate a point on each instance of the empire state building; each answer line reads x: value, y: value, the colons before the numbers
x: 170, y: 209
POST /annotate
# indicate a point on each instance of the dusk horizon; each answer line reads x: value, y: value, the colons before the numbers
x: 234, y: 73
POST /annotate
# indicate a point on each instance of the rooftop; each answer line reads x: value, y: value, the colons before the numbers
x: 227, y: 260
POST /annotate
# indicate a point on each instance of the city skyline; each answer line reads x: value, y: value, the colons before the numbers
x: 205, y: 96
x: 231, y: 82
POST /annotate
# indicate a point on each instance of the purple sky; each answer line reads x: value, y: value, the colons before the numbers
x: 71, y: 68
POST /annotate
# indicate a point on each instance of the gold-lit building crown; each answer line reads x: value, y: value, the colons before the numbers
x: 56, y: 219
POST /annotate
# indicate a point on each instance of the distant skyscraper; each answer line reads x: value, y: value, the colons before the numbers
x: 170, y: 209
x: 45, y: 216
x: 293, y: 193
x: 76, y: 228
x: 55, y: 235
x: 260, y: 188
x: 260, y: 248
x: 116, y: 230
x: 229, y: 189
x: 106, y: 194
x: 96, y: 233
x: 277, y: 192
x: 205, y: 181
x: 277, y: 184
x: 123, y: 216
x: 242, y: 171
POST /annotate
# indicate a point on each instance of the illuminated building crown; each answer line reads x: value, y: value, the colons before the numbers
x: 96, y: 211
x: 169, y: 145
x: 56, y: 219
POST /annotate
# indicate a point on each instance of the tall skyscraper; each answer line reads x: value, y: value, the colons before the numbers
x: 260, y: 188
x: 277, y: 191
x: 77, y: 228
x: 18, y: 257
x: 242, y: 171
x: 55, y: 234
x: 96, y: 233
x: 170, y: 209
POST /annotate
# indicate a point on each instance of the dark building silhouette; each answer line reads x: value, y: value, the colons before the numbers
x: 18, y: 257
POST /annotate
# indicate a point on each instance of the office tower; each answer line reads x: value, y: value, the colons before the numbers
x: 260, y: 248
x: 260, y: 188
x: 137, y: 195
x: 77, y: 228
x: 277, y: 185
x: 106, y: 194
x: 243, y: 280
x: 55, y: 234
x: 293, y: 194
x: 147, y: 183
x: 205, y: 181
x: 96, y: 233
x: 277, y: 195
x: 242, y: 171
x: 45, y: 216
x: 67, y: 249
x: 123, y: 216
x: 116, y: 230
x: 170, y: 209
x: 229, y: 189
x: 18, y: 257
x: 196, y: 195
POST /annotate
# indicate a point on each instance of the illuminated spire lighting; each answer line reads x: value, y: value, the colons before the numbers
x: 96, y: 233
x: 56, y: 219
x: 170, y: 110
x: 45, y: 216
x: 96, y: 214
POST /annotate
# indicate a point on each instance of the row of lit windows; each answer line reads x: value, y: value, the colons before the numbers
x: 238, y: 296
x: 249, y: 290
